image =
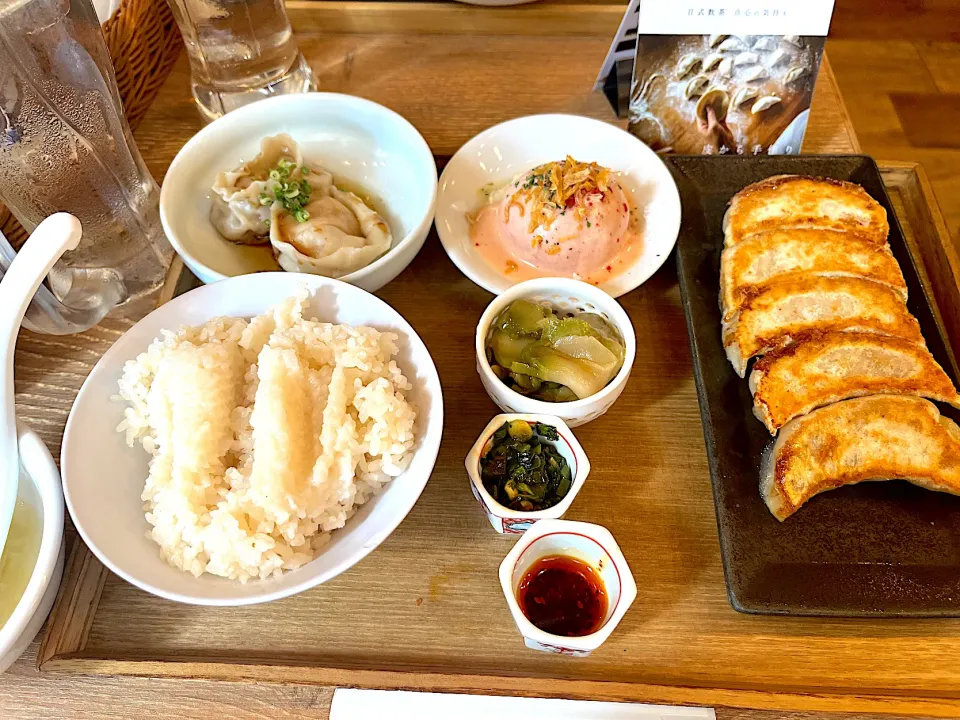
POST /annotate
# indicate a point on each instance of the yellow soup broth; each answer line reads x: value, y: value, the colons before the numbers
x: 21, y: 551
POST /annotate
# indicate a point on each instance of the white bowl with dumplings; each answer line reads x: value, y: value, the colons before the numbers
x: 369, y: 149
x: 568, y: 296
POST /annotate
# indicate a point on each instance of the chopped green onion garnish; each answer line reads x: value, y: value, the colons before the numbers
x: 292, y: 192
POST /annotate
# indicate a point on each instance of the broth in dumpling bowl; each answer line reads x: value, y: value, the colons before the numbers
x: 233, y: 201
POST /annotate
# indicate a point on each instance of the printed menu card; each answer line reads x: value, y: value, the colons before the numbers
x: 721, y: 76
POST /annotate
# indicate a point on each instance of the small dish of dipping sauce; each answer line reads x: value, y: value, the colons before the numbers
x: 563, y: 595
x: 567, y: 585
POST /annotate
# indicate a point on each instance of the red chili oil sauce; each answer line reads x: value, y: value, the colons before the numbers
x: 563, y: 596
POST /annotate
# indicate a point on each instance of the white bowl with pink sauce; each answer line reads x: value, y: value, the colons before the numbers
x: 616, y: 243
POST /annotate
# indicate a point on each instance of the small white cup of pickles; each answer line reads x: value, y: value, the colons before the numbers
x: 565, y: 349
x: 557, y: 463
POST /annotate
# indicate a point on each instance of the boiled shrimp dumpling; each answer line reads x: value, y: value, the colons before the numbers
x: 341, y: 235
x: 236, y: 211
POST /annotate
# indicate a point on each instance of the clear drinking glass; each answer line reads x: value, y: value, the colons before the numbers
x: 65, y: 146
x: 240, y: 51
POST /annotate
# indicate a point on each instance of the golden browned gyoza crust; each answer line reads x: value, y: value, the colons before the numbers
x: 788, y: 201
x: 780, y: 312
x: 880, y: 437
x: 782, y: 254
x: 823, y: 368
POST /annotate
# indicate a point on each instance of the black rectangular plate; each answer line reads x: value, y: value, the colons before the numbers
x: 874, y: 549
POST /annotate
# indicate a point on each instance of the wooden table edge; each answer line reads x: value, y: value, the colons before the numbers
x: 938, y: 262
x: 817, y: 700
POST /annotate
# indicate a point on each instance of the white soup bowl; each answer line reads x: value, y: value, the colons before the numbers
x: 40, y: 488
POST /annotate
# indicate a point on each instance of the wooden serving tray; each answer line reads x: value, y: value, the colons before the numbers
x: 425, y: 611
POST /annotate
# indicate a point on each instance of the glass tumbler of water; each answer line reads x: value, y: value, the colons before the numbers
x: 65, y: 146
x: 240, y: 51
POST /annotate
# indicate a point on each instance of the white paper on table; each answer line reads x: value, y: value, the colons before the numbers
x: 404, y: 705
x: 624, y: 45
x: 106, y: 9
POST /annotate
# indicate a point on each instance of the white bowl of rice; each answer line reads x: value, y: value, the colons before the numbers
x: 252, y: 439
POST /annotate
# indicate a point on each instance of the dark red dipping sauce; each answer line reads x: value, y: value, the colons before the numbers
x: 563, y: 596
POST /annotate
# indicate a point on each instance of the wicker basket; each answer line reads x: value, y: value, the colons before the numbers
x: 144, y: 42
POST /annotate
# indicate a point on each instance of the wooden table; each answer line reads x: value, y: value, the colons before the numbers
x: 450, y: 85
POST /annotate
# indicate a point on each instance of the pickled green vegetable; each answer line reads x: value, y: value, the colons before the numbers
x: 522, y: 317
x: 551, y: 357
x: 522, y: 470
x: 520, y: 430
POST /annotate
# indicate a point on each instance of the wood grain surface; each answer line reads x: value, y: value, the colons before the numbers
x: 929, y: 20
x: 922, y: 118
x: 396, y: 17
x: 940, y: 263
x: 871, y: 73
x: 451, y: 87
x: 25, y: 695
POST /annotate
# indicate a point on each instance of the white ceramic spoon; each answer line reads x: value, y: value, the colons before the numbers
x: 52, y: 238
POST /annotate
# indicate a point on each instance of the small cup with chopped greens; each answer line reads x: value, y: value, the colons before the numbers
x: 524, y: 468
x: 555, y: 346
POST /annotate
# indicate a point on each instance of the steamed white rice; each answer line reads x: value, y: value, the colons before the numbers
x: 266, y: 435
